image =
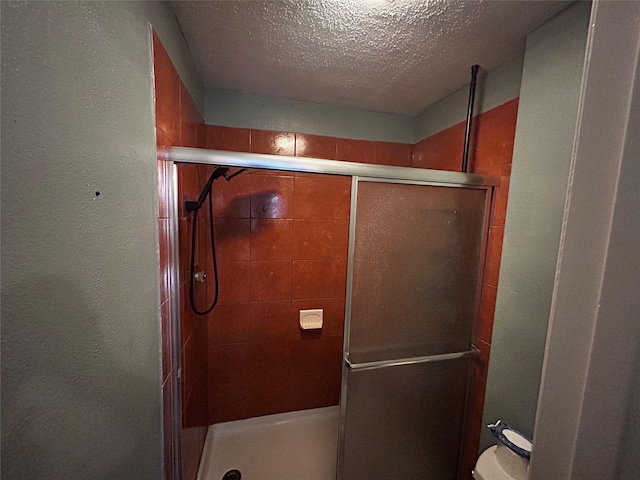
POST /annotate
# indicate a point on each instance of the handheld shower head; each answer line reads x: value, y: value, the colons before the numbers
x: 192, y: 206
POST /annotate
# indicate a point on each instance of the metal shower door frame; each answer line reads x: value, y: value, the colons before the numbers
x: 331, y: 167
x: 358, y: 171
x: 174, y: 326
x: 472, y: 352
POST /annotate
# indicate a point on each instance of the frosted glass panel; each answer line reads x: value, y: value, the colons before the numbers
x: 405, y: 422
x: 417, y: 252
x: 415, y: 269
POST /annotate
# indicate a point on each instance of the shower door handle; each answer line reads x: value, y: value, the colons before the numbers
x: 472, y: 352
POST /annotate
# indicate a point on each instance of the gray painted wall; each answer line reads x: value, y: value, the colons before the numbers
x: 547, y: 115
x: 80, y: 273
x: 585, y: 424
x: 244, y: 110
x: 493, y: 89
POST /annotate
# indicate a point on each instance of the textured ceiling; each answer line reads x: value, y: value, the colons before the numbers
x: 394, y: 56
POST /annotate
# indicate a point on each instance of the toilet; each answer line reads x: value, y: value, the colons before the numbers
x: 508, y: 460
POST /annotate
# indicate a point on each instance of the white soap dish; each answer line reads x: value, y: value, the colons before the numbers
x: 311, y: 319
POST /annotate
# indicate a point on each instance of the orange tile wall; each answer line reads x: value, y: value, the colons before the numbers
x: 178, y: 122
x: 260, y: 362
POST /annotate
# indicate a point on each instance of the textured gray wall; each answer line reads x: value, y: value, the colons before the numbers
x: 547, y: 116
x: 81, y: 394
x: 590, y: 361
x: 244, y: 110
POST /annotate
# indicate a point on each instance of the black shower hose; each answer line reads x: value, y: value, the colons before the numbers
x: 213, y: 257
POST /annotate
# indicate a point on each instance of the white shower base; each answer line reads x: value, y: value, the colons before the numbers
x: 287, y: 446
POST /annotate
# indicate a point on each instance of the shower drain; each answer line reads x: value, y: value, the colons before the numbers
x: 232, y: 475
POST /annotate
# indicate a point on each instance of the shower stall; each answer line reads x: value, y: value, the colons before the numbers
x: 416, y: 251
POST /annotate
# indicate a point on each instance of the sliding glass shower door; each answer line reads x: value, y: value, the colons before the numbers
x: 416, y: 253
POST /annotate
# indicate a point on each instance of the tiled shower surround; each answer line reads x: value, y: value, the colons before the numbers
x: 281, y: 247
x: 281, y: 241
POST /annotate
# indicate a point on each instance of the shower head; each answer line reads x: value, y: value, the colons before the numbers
x: 229, y: 177
x: 191, y: 206
x: 217, y: 173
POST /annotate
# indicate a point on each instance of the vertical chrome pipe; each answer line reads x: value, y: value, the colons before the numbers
x: 467, y: 133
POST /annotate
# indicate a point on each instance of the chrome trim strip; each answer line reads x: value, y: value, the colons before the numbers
x: 347, y: 328
x: 317, y: 165
x: 175, y: 341
x: 473, y: 352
